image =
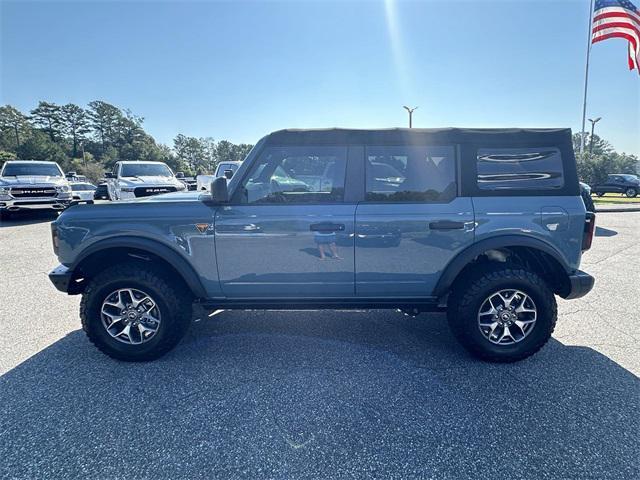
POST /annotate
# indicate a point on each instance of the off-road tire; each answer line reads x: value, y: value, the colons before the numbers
x: 172, y: 298
x: 469, y: 293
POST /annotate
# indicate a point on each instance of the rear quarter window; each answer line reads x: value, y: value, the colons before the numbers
x: 519, y: 169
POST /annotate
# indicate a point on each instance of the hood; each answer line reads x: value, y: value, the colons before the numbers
x: 189, y: 196
x: 33, y: 180
x: 149, y: 180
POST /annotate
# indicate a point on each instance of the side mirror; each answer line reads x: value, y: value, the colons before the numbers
x: 109, y: 175
x: 179, y: 174
x: 219, y: 190
x: 228, y: 174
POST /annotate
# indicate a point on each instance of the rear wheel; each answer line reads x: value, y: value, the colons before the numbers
x: 631, y: 192
x: 502, y: 314
x: 599, y: 194
x: 133, y: 312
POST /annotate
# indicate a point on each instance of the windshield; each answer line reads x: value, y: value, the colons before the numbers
x: 31, y: 169
x: 145, y: 170
x: 82, y: 186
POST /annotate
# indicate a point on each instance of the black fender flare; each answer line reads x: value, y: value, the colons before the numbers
x: 462, y: 259
x: 167, y: 253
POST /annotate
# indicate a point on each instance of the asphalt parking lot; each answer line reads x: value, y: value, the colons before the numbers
x: 319, y: 394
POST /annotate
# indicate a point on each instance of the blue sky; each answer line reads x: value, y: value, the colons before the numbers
x: 238, y: 70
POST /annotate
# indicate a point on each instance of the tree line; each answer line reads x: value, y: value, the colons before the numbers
x: 90, y: 140
x: 601, y: 159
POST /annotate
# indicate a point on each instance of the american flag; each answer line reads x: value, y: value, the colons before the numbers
x: 618, y: 19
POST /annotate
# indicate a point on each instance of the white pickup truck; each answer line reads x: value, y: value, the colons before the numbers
x: 32, y: 185
x: 204, y: 181
x: 133, y: 179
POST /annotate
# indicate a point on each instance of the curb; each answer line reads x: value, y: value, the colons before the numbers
x: 618, y: 210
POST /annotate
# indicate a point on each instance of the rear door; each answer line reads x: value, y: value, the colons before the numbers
x: 288, y: 232
x: 412, y: 222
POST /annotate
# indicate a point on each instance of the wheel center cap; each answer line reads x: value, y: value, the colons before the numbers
x: 505, y: 316
x: 132, y: 315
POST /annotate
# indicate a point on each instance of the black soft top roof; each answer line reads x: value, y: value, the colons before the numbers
x: 489, y: 136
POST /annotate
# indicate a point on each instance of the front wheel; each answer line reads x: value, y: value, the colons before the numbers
x: 502, y: 314
x: 133, y: 312
x: 631, y: 192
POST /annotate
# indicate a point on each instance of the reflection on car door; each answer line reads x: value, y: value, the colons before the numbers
x: 412, y: 223
x: 285, y: 237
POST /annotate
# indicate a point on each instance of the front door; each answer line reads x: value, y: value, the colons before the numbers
x: 287, y: 232
x: 412, y: 223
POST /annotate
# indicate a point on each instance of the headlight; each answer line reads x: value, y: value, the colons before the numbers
x: 63, y: 189
x: 181, y: 186
x: 4, y: 190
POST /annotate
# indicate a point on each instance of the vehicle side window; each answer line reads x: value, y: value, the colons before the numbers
x: 519, y: 168
x: 410, y: 174
x: 297, y: 175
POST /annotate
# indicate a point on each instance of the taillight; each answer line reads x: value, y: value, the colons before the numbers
x: 589, y: 229
x: 54, y: 238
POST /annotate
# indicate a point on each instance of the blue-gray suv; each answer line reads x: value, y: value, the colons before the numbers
x: 487, y: 224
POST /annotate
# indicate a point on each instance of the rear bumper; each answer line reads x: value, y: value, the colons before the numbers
x: 581, y: 284
x: 61, y: 278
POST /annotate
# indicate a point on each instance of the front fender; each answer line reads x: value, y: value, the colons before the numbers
x: 167, y: 253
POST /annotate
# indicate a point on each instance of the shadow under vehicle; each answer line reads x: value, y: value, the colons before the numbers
x: 269, y: 394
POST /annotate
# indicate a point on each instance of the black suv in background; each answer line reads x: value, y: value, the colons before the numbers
x: 618, y: 183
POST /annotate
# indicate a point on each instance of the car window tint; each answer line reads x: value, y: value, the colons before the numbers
x: 410, y: 174
x: 297, y: 175
x: 519, y: 168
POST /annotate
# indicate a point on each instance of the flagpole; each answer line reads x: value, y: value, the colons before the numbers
x: 586, y: 80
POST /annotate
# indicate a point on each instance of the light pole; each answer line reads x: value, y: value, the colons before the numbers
x: 84, y: 159
x: 410, y: 110
x: 593, y: 126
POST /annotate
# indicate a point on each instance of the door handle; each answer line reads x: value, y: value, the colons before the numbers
x: 327, y: 227
x: 446, y: 225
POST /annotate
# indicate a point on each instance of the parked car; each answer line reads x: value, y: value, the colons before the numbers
x: 134, y: 179
x: 487, y: 224
x: 189, y: 182
x: 32, y: 185
x: 83, y: 191
x: 626, y: 184
x: 74, y: 177
x: 101, y: 192
x: 585, y: 193
x: 203, y: 181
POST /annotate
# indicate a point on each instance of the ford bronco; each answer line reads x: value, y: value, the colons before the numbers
x: 487, y: 224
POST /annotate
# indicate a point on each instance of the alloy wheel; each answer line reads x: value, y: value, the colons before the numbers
x: 130, y: 316
x: 507, y: 317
